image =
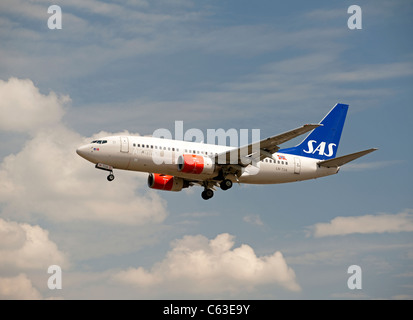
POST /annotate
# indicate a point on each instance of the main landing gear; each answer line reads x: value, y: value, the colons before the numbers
x: 226, y: 184
x: 105, y: 167
x: 209, y: 193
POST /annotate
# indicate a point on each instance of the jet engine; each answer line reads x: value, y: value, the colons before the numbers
x: 195, y: 164
x: 166, y: 182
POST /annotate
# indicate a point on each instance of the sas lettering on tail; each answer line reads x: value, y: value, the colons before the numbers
x: 321, y: 147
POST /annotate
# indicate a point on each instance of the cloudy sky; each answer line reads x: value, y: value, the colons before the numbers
x: 135, y: 66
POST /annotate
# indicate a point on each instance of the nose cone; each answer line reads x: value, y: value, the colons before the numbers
x: 83, y: 151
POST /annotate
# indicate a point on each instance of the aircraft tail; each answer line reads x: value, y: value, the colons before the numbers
x: 322, y: 142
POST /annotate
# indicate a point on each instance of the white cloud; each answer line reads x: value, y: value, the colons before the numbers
x: 373, y: 72
x: 18, y: 288
x: 379, y: 223
x: 333, y: 257
x: 198, y: 265
x: 49, y: 179
x: 94, y: 35
x: 26, y: 247
x: 24, y: 108
x: 370, y: 165
x: 350, y: 295
x: 406, y: 274
x: 38, y: 9
x: 199, y: 214
x: 28, y: 9
x: 253, y: 219
x: 402, y: 297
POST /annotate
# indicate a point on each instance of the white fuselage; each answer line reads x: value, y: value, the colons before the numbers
x: 156, y: 155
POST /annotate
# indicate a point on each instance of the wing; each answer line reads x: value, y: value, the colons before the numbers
x: 339, y: 161
x: 257, y: 151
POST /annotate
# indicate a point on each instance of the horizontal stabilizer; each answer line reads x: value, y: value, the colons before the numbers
x: 339, y: 161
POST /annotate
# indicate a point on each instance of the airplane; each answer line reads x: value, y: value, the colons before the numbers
x: 212, y: 166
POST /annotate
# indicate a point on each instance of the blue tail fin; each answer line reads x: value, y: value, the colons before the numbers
x: 322, y: 142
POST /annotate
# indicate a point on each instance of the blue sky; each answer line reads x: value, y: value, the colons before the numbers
x: 137, y: 66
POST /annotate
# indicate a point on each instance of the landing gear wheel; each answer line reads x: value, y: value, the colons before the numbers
x: 226, y: 184
x: 207, y: 194
x: 111, y: 177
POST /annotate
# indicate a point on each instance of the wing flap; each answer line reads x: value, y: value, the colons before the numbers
x: 271, y: 144
x: 262, y: 149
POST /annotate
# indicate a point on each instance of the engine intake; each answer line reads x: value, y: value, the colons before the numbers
x: 194, y: 164
x: 165, y: 182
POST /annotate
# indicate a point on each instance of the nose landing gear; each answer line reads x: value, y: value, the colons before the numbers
x: 106, y: 167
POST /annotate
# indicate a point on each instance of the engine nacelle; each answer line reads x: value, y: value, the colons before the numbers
x: 194, y: 164
x: 165, y: 182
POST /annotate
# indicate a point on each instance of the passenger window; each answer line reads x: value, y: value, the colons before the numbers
x: 139, y: 145
x: 173, y: 149
x: 147, y: 146
x: 151, y: 147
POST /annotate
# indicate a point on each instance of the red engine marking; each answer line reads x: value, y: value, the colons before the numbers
x: 162, y: 182
x: 193, y: 164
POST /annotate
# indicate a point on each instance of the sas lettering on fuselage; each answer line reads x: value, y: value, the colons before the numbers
x: 320, y: 148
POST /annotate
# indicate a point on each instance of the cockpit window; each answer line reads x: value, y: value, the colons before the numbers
x: 100, y: 141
